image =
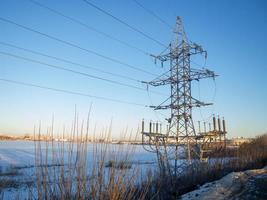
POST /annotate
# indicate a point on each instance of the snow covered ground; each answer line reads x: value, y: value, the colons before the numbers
x: 17, y: 167
x: 247, y: 185
x: 17, y: 164
x: 16, y: 153
x: 21, y: 153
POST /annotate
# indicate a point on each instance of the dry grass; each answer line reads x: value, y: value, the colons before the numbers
x: 65, y: 170
x: 11, y: 171
x: 249, y: 156
x: 111, y: 175
x: 8, y: 183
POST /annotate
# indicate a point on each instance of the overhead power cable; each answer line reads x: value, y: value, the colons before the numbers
x: 71, y: 92
x: 75, y: 72
x: 153, y: 14
x: 124, y: 23
x: 76, y: 46
x: 69, y: 62
x: 88, y: 27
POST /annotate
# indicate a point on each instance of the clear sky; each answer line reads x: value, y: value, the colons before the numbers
x: 232, y: 31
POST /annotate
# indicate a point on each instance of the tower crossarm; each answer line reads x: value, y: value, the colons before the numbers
x: 197, y: 103
x: 160, y: 82
x: 189, y: 48
x: 163, y: 79
x: 161, y: 58
x: 196, y: 49
x: 197, y: 74
x: 194, y: 103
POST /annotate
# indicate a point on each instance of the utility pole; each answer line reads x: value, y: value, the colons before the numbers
x: 180, y: 136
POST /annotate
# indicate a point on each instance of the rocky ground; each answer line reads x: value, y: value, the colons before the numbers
x: 247, y: 185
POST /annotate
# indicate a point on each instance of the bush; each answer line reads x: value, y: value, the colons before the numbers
x: 248, y: 156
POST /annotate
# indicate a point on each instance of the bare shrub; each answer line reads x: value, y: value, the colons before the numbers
x: 8, y: 183
x: 253, y: 154
x: 11, y: 171
x: 248, y: 156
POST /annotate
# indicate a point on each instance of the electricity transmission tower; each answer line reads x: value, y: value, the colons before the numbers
x: 180, y: 138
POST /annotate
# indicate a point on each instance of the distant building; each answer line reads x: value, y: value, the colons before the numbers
x: 239, y: 140
x: 61, y: 140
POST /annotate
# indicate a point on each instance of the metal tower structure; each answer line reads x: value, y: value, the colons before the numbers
x: 180, y: 132
x: 212, y: 141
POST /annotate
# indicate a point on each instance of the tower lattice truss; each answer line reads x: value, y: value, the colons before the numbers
x: 180, y: 130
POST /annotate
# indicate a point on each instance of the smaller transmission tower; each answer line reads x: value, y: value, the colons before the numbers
x: 180, y: 139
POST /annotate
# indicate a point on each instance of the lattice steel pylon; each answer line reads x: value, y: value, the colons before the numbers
x: 180, y: 132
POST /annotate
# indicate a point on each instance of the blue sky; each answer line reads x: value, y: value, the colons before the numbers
x: 233, y: 33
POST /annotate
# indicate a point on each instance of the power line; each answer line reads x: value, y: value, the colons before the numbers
x: 124, y: 23
x: 153, y: 14
x: 74, y: 71
x: 76, y: 46
x: 70, y: 92
x: 69, y: 62
x: 88, y: 27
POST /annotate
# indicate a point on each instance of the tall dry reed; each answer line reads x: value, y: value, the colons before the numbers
x: 65, y: 170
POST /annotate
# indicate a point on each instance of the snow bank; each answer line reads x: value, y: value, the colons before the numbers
x: 230, y: 186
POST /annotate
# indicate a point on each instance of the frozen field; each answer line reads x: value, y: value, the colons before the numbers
x: 21, y: 153
x: 18, y: 164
